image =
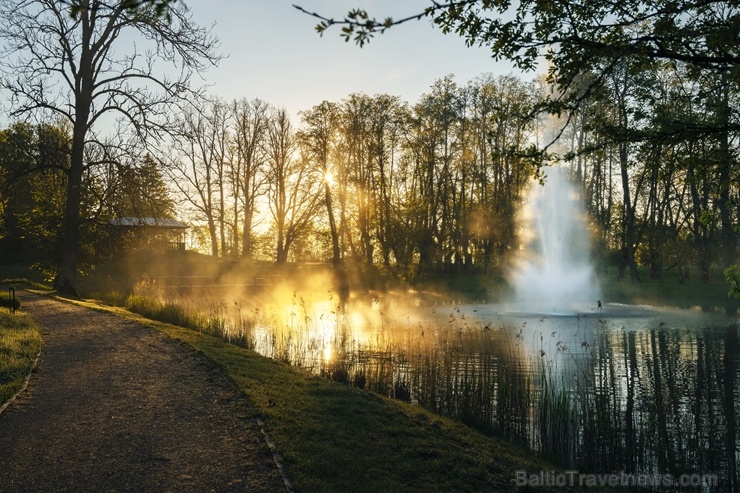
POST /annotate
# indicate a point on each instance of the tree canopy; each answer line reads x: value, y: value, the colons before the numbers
x: 580, y: 37
x: 702, y: 33
x: 160, y: 8
x: 664, y: 73
x: 82, y: 69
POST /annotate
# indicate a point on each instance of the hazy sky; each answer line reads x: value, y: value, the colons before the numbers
x: 275, y: 54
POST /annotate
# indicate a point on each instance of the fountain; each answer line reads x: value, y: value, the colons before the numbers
x: 555, y: 275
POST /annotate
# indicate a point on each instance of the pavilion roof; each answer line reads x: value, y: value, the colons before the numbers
x: 148, y: 222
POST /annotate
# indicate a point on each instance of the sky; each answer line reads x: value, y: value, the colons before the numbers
x: 274, y: 53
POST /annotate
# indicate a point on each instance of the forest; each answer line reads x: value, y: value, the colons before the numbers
x: 430, y: 186
x: 433, y: 185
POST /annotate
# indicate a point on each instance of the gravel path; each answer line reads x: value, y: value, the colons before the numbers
x: 116, y: 406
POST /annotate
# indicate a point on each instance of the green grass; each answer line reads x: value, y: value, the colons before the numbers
x: 336, y: 438
x: 20, y: 342
x: 668, y: 291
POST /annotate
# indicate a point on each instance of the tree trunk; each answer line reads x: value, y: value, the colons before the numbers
x: 222, y: 222
x: 235, y: 231
x: 629, y: 218
x: 247, y: 234
x: 336, y: 258
x: 213, y: 236
x: 281, y: 252
x: 67, y: 280
x: 725, y: 199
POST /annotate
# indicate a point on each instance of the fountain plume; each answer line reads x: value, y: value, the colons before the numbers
x: 555, y: 275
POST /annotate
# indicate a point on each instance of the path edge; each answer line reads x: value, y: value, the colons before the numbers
x: 26, y: 380
x: 277, y: 459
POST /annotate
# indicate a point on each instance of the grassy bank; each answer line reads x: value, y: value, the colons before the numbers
x: 333, y: 437
x: 668, y: 291
x: 20, y: 342
x: 337, y: 438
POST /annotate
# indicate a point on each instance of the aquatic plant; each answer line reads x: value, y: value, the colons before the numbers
x: 643, y: 402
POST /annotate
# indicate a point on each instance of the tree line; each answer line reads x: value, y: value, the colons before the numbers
x: 636, y: 59
x: 642, y: 111
x: 434, y: 186
x: 372, y: 180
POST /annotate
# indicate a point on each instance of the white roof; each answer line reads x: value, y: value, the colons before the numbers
x: 150, y: 222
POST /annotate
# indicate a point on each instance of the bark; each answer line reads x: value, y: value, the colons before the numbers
x: 67, y: 279
x: 247, y: 234
x: 628, y: 240
x: 336, y: 257
x: 725, y: 199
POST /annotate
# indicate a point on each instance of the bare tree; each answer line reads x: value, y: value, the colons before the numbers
x: 251, y: 120
x: 196, y: 165
x: 318, y: 138
x: 295, y: 192
x: 91, y: 65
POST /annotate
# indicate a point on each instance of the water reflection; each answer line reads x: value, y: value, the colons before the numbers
x: 662, y: 400
x: 629, y: 388
x: 653, y: 393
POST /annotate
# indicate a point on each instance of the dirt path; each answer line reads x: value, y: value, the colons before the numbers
x: 115, y: 406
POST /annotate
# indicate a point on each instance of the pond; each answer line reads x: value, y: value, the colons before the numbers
x: 626, y: 388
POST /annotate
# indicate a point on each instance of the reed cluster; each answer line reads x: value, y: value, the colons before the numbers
x: 636, y: 401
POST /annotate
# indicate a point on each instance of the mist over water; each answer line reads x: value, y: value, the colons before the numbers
x: 555, y: 274
x: 635, y: 388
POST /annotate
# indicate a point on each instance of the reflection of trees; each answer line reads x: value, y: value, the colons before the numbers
x: 632, y: 378
x: 679, y: 398
x: 646, y: 402
x: 730, y: 395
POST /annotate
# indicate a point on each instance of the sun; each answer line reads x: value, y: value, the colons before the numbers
x: 329, y: 178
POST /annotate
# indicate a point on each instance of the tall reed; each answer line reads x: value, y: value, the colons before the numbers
x: 650, y: 401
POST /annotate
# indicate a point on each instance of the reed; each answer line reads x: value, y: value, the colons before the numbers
x: 556, y: 418
x: 613, y: 402
x: 476, y: 376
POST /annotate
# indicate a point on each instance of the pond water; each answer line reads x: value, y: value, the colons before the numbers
x: 624, y: 388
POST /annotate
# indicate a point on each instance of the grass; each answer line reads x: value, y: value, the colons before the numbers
x: 335, y: 437
x: 478, y: 377
x: 20, y: 343
x: 668, y: 291
x: 17, y: 274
